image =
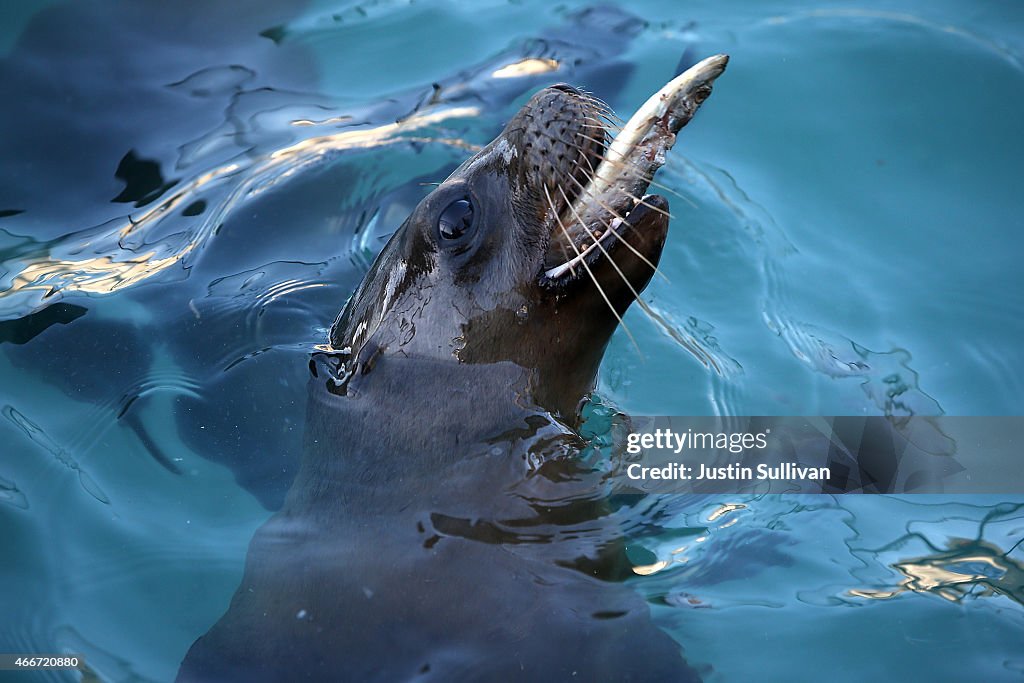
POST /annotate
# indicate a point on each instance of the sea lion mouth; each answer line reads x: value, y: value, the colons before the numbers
x: 604, y: 197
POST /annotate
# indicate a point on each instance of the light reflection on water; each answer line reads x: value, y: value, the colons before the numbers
x: 844, y: 242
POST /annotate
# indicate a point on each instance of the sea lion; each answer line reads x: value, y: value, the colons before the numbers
x: 101, y: 349
x: 231, y: 419
x: 441, y: 526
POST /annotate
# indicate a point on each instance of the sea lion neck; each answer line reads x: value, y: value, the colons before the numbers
x: 455, y: 419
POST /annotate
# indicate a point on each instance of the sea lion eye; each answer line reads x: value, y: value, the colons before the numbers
x: 456, y: 219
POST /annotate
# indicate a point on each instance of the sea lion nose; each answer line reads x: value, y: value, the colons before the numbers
x: 565, y: 87
x: 551, y: 134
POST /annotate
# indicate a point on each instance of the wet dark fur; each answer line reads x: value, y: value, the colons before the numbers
x: 440, y: 527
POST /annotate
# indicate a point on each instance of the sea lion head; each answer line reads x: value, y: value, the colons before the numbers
x: 516, y: 257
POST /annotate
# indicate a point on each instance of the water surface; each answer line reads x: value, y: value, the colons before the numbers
x: 189, y: 193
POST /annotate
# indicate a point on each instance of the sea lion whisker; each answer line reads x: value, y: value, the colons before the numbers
x: 638, y: 200
x: 597, y: 126
x: 604, y: 124
x: 592, y: 172
x: 610, y: 118
x: 649, y: 179
x: 597, y: 242
x: 565, y: 255
x: 603, y: 114
x: 643, y: 173
x: 589, y: 97
x: 587, y: 137
x: 593, y: 277
x: 601, y: 117
x: 672, y: 191
x: 644, y: 202
x: 640, y: 174
x: 602, y: 108
x: 648, y: 311
x: 627, y: 165
x: 609, y: 227
x: 629, y: 246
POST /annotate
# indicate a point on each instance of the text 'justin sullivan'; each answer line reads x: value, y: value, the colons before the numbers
x: 737, y: 442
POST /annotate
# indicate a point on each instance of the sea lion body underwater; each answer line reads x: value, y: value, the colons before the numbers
x: 440, y: 526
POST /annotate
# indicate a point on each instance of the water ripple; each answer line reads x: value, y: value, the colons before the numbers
x: 99, y: 664
x: 122, y: 252
x: 888, y: 380
x: 12, y: 495
x: 696, y: 337
x: 243, y: 301
x: 36, y: 434
x: 268, y: 136
x: 988, y: 563
x: 1002, y: 51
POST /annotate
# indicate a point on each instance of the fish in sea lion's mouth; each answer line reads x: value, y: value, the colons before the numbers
x: 594, y: 172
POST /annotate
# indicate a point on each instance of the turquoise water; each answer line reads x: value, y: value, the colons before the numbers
x: 188, y: 196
